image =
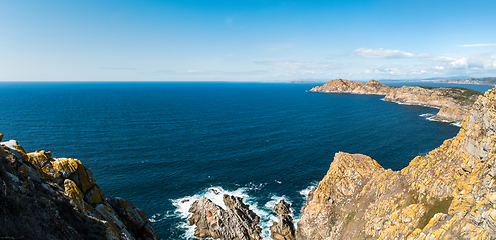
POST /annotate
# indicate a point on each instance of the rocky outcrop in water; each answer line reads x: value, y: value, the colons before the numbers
x: 448, y: 194
x: 284, y: 228
x: 236, y: 222
x: 454, y: 102
x: 57, y: 198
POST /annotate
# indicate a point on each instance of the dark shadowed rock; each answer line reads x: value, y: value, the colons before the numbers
x: 237, y: 222
x: 284, y: 229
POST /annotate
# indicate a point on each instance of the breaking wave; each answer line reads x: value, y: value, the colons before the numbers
x: 263, y: 209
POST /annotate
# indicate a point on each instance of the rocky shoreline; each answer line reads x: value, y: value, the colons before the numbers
x: 237, y: 221
x: 453, y: 103
x: 448, y: 194
x: 42, y: 197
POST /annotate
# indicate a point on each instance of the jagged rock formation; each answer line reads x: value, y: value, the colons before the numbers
x: 454, y: 102
x: 58, y: 198
x: 448, y: 194
x: 284, y: 229
x: 237, y: 222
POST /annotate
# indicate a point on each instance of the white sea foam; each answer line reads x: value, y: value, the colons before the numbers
x: 307, y: 190
x: 426, y: 114
x: 256, y: 187
x: 304, y: 193
x: 215, y: 194
x: 454, y: 123
x: 158, y: 217
x: 457, y: 123
x: 268, y: 216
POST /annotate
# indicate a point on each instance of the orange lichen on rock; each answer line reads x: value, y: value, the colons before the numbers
x: 69, y: 177
x: 448, y: 194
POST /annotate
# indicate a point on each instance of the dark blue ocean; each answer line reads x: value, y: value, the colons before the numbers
x: 163, y: 145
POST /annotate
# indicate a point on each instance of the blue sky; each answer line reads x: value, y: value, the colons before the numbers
x: 245, y: 40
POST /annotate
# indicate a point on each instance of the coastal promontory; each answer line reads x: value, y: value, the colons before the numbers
x: 449, y: 193
x: 454, y: 103
x: 42, y: 197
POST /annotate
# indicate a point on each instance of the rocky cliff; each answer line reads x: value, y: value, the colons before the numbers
x: 448, y: 194
x: 236, y: 222
x: 454, y: 102
x: 284, y: 228
x: 42, y: 197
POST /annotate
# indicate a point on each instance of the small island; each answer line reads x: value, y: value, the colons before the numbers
x: 454, y: 103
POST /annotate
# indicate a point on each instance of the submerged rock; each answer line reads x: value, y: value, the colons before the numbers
x: 237, y: 222
x: 284, y: 229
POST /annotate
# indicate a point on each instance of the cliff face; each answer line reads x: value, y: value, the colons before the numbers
x: 57, y: 198
x: 451, y: 109
x: 454, y: 103
x: 235, y: 222
x: 448, y: 194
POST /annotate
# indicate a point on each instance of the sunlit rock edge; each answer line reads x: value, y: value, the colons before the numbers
x: 35, y: 188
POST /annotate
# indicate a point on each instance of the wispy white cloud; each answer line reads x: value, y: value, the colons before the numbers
x: 478, y: 45
x: 190, y: 71
x: 302, y: 65
x: 388, y: 70
x: 117, y: 68
x: 475, y: 61
x: 460, y: 63
x: 384, y: 53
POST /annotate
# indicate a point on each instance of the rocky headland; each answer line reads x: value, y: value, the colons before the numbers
x: 450, y: 193
x: 454, y: 103
x: 42, y: 197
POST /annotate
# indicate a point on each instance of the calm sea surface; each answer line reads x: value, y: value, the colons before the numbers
x: 163, y: 145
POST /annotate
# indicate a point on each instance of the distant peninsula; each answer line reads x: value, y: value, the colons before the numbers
x: 483, y: 81
x: 454, y: 103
